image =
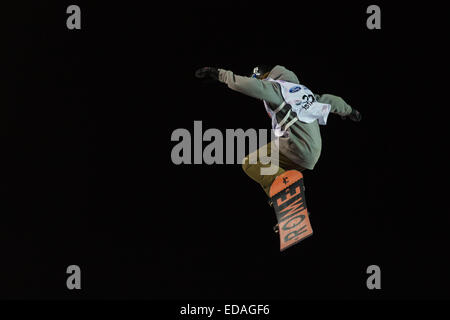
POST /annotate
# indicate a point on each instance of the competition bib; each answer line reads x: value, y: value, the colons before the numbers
x: 303, y: 102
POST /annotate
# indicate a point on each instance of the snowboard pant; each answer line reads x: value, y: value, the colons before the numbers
x: 338, y: 106
x: 254, y: 170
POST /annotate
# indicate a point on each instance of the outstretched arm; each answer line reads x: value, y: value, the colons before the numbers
x: 259, y: 89
x: 264, y: 90
x: 340, y: 107
x: 256, y: 88
x: 270, y: 91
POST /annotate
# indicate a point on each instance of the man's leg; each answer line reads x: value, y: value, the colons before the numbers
x: 254, y: 170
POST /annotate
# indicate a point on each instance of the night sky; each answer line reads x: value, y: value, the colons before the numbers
x: 89, y: 178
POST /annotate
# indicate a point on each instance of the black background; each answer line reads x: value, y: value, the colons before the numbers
x: 89, y: 178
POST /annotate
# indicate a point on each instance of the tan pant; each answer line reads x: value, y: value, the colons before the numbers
x: 338, y: 105
x: 254, y: 170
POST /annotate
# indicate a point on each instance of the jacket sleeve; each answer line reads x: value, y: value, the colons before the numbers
x: 338, y: 105
x: 259, y: 89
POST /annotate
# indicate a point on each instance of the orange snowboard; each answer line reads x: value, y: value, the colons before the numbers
x: 288, y: 197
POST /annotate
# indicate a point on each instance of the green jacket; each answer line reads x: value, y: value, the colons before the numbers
x: 304, y: 144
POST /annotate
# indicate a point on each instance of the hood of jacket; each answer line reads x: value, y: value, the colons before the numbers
x: 281, y: 73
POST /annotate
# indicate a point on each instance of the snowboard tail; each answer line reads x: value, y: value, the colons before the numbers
x: 288, y: 197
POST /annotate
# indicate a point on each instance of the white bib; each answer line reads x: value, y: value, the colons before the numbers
x: 302, y: 102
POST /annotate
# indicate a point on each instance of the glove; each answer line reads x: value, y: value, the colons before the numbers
x: 354, y: 116
x: 207, y: 72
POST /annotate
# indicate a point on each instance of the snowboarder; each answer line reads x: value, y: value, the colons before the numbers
x: 296, y: 114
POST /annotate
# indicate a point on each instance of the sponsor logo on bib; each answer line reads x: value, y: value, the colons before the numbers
x: 295, y: 89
